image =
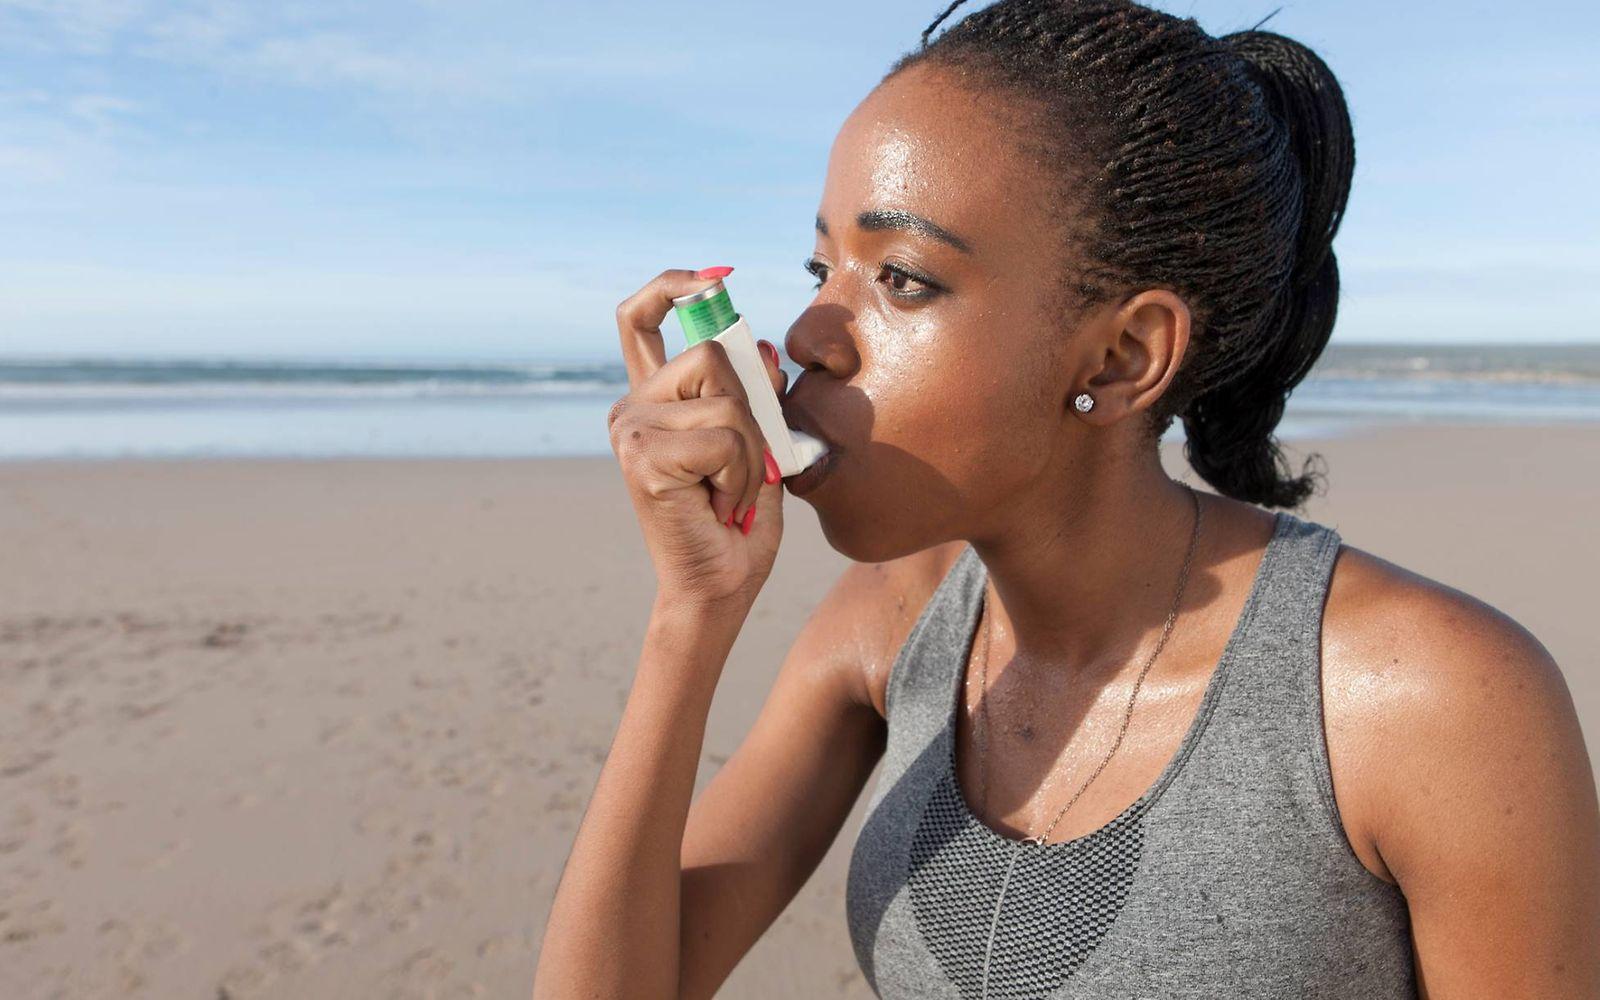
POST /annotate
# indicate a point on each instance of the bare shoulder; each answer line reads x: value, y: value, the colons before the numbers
x: 1388, y: 617
x: 1425, y: 640
x: 870, y: 610
x: 1446, y: 719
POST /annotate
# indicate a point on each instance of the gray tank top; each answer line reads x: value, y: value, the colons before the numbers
x: 1229, y: 877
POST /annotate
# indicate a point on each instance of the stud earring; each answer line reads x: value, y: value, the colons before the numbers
x: 1084, y: 402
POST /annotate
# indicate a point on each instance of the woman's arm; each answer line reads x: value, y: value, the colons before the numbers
x: 613, y: 927
x: 691, y: 455
x: 1485, y: 805
x: 756, y: 834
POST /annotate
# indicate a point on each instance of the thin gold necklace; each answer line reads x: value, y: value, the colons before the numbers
x: 983, y: 709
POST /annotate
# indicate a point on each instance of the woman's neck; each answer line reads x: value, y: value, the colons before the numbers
x: 1084, y: 570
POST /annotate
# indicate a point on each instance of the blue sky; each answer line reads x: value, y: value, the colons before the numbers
x: 449, y: 178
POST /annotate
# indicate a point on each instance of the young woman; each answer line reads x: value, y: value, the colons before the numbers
x: 1137, y: 740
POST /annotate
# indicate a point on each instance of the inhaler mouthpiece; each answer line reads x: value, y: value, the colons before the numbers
x: 807, y: 449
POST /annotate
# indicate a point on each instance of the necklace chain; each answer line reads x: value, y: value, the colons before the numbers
x: 983, y: 703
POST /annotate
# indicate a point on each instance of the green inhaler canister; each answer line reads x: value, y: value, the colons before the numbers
x: 709, y: 315
x: 705, y: 313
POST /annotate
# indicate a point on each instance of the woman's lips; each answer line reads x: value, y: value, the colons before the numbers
x: 810, y: 477
x: 798, y: 420
x: 813, y: 475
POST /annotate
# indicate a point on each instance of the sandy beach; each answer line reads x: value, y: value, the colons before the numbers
x: 325, y: 729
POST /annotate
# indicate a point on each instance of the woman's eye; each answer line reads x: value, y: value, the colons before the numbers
x: 898, y: 280
x: 816, y: 268
x: 901, y: 277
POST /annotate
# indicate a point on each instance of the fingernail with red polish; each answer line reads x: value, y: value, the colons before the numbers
x: 749, y: 519
x: 773, y: 473
x: 713, y: 272
x: 728, y: 523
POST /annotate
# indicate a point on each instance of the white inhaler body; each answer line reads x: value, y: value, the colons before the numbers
x: 710, y: 309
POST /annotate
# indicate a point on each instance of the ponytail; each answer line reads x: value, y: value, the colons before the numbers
x: 1229, y: 427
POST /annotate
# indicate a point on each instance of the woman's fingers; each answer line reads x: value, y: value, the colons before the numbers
x: 699, y: 373
x: 639, y: 319
x: 685, y: 430
x: 701, y: 370
x: 735, y: 487
x: 713, y: 454
x: 705, y: 372
x: 660, y: 389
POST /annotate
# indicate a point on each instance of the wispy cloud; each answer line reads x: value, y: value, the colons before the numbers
x: 52, y: 135
x: 77, y: 27
x: 417, y: 49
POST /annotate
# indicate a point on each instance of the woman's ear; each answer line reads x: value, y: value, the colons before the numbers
x: 1145, y: 344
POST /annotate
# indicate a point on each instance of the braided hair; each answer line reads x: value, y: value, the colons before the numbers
x: 1215, y: 166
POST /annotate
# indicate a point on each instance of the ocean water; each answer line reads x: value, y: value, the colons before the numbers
x: 57, y: 408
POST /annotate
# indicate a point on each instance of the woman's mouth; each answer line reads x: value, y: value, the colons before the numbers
x: 813, y: 475
x: 800, y: 422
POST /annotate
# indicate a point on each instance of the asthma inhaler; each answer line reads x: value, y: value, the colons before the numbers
x: 708, y: 315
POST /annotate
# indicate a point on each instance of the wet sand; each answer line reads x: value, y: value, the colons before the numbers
x: 326, y: 729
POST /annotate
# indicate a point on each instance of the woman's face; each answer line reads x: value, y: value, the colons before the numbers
x: 933, y: 365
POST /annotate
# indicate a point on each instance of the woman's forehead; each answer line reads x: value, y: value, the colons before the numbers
x: 922, y: 146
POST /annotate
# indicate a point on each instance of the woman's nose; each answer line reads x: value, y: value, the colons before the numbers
x: 820, y: 339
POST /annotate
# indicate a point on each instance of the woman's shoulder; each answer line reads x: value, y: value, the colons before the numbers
x: 1383, y: 620
x: 1433, y: 696
x: 873, y: 607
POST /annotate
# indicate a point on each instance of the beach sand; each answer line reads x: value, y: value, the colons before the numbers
x: 326, y: 729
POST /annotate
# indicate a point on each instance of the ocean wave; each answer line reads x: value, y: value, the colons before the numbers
x: 150, y: 381
x: 77, y: 383
x: 1424, y: 374
x: 1549, y: 364
x: 113, y: 392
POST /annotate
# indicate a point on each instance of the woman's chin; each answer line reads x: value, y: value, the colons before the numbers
x: 861, y: 537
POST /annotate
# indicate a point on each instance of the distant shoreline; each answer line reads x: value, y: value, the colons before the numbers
x: 107, y: 408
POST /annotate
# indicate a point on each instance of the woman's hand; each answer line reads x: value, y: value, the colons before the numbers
x: 692, y: 456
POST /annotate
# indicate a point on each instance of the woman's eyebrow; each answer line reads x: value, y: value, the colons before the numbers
x: 893, y: 218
